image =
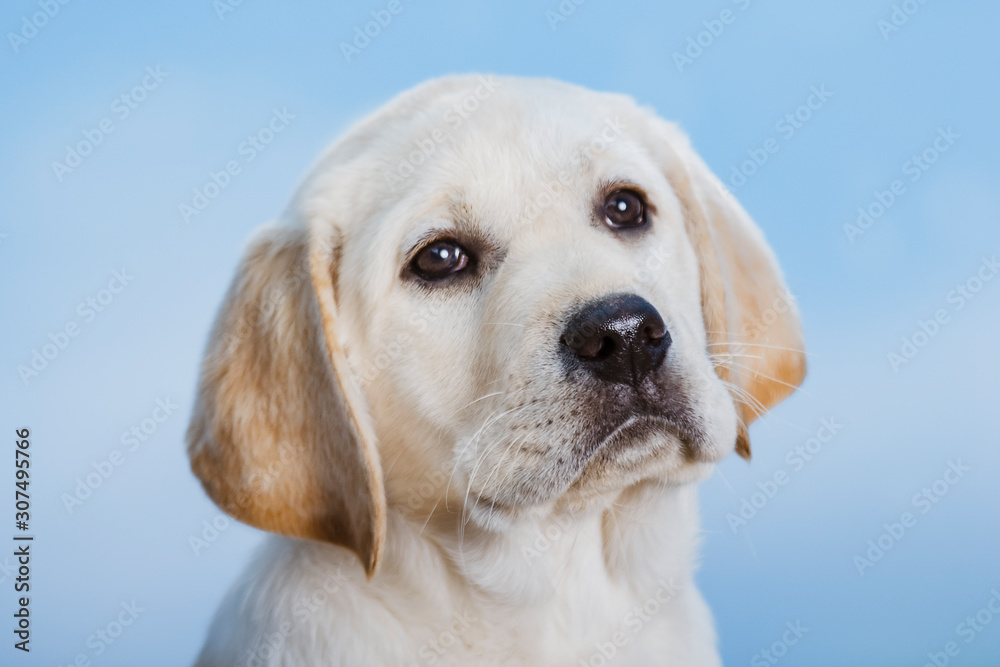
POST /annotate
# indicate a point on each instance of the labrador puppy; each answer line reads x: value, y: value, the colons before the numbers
x: 469, y: 379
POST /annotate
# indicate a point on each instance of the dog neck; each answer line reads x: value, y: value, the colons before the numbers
x: 625, y: 545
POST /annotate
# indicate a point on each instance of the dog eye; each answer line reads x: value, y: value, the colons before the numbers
x: 439, y: 260
x: 624, y: 209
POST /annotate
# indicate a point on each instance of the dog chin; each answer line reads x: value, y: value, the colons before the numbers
x: 640, y: 450
x: 656, y: 455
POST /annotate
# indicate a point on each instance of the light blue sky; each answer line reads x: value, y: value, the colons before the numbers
x: 794, y: 561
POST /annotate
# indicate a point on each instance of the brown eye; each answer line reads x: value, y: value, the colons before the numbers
x: 439, y: 260
x: 624, y: 209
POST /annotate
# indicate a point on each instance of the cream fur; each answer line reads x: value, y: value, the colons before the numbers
x: 413, y: 444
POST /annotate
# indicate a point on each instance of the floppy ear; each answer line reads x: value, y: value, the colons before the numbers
x: 280, y: 437
x: 751, y: 318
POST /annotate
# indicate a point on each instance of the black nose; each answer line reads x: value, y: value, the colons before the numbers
x: 619, y: 338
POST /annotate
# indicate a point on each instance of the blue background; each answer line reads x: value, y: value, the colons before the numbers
x: 793, y: 561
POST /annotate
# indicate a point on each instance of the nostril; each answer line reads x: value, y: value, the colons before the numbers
x: 654, y: 333
x: 606, y: 349
x: 590, y: 348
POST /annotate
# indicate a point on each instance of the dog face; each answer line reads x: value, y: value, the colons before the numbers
x: 524, y: 292
x: 539, y: 271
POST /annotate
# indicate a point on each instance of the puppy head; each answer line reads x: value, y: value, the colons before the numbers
x: 525, y: 292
